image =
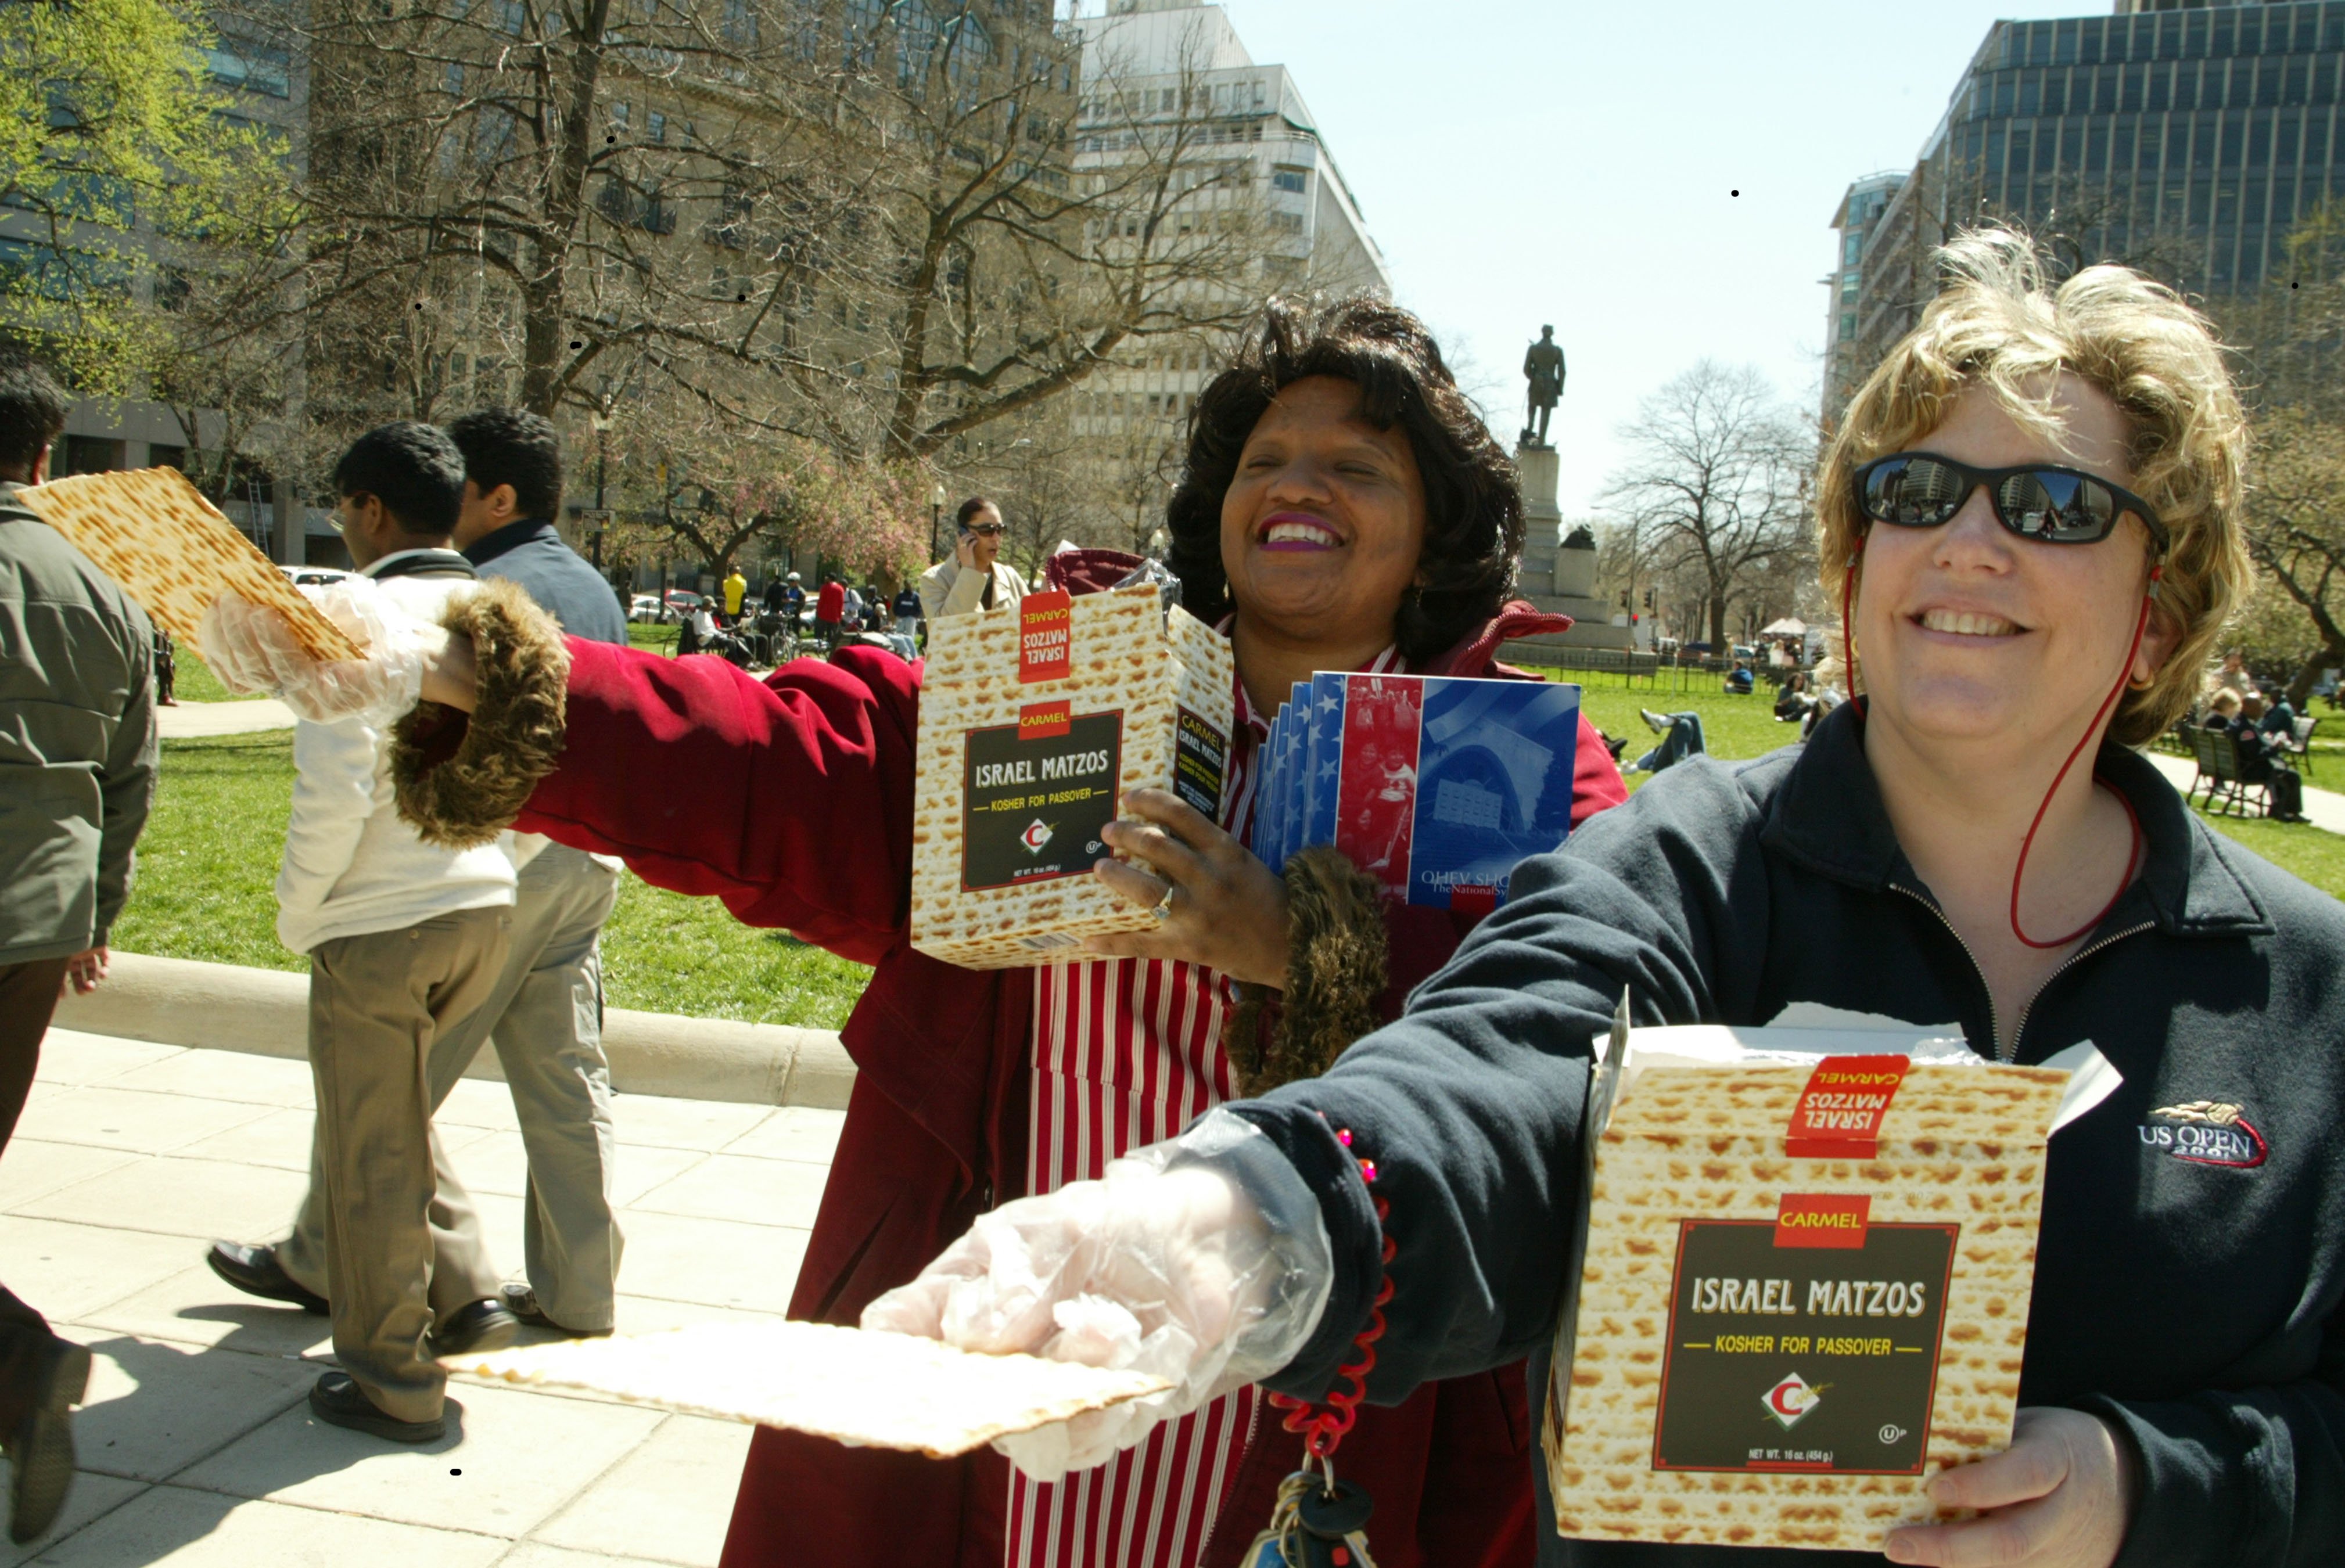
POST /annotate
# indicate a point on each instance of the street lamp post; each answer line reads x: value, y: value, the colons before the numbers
x: 936, y: 518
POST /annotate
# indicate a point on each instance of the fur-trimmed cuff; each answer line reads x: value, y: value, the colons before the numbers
x: 1335, y: 952
x: 460, y: 782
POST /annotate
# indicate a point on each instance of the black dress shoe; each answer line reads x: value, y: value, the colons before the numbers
x: 337, y: 1398
x: 482, y: 1325
x: 41, y: 1450
x: 521, y: 1302
x: 256, y: 1271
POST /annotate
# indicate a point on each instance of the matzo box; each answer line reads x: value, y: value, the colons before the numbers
x: 1034, y: 723
x: 1804, y: 1281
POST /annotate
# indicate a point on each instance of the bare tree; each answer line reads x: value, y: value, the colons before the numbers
x: 2296, y: 530
x: 848, y: 222
x: 1716, y: 484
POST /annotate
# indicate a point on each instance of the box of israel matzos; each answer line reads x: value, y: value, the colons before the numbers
x: 1034, y: 723
x: 1804, y: 1280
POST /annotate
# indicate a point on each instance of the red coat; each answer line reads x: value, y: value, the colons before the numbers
x: 790, y: 800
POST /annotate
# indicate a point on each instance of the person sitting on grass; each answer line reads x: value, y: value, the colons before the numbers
x: 1682, y: 737
x: 1792, y: 701
x: 1738, y: 680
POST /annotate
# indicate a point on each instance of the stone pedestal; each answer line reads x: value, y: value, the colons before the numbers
x: 1558, y: 574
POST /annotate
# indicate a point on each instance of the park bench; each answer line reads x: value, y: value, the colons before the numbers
x: 2298, y: 744
x: 2218, y: 770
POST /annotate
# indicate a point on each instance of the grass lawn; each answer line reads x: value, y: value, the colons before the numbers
x: 1737, y: 728
x: 194, y: 683
x: 208, y: 871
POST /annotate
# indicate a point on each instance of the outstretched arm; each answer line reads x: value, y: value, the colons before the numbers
x: 790, y: 798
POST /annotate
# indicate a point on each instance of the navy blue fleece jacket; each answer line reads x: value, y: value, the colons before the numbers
x: 2194, y: 1305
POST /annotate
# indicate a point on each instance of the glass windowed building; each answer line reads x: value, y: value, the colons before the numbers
x: 2187, y: 139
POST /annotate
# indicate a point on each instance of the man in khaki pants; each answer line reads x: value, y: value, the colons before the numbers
x: 406, y: 941
x: 545, y: 1011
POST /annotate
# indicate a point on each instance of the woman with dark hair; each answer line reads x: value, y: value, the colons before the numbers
x: 975, y: 578
x: 1342, y: 508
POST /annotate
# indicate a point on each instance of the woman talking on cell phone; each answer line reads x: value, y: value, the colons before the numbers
x: 2030, y: 514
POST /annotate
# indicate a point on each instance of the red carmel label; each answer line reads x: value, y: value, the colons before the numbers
x: 1840, y: 1112
x: 1821, y: 1219
x: 1045, y: 630
x: 1041, y: 721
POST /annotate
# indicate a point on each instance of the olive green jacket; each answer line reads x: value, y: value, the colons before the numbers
x: 77, y: 741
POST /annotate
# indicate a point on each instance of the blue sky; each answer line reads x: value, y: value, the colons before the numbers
x: 1522, y: 162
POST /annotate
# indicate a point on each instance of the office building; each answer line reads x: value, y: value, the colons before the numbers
x: 2186, y: 140
x: 1156, y: 69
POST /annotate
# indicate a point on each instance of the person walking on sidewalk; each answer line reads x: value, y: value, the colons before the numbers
x: 76, y: 775
x: 545, y: 1015
x: 545, y: 1012
x: 406, y: 942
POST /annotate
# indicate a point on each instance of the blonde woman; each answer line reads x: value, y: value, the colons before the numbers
x: 2030, y: 515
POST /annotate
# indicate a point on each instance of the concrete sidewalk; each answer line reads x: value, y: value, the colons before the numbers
x: 188, y: 721
x: 2323, y: 808
x: 197, y: 1445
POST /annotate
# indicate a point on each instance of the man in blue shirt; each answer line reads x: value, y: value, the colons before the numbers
x: 507, y: 529
x: 545, y: 1014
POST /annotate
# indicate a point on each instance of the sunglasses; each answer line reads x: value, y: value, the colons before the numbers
x: 987, y: 530
x: 2035, y: 500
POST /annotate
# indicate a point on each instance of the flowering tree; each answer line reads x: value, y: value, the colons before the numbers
x: 714, y: 489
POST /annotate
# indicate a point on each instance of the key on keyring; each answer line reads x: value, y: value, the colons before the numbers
x: 1312, y: 1528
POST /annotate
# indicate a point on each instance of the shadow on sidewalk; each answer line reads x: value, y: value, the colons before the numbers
x: 228, y: 1421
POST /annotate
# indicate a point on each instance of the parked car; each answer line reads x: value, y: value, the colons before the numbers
x: 643, y: 607
x: 681, y: 602
x: 313, y: 576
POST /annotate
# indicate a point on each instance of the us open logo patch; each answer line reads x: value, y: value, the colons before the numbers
x: 2206, y: 1132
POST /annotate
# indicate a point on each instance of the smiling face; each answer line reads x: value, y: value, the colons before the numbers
x: 1967, y: 631
x: 1323, y: 525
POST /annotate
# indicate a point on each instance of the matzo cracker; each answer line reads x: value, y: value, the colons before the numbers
x: 852, y: 1385
x: 152, y: 532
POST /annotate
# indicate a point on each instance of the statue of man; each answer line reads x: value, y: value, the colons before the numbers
x: 1544, y: 366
